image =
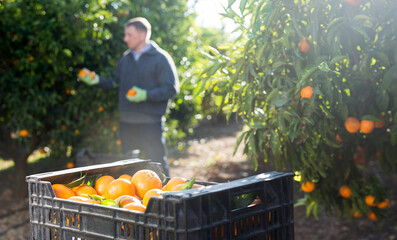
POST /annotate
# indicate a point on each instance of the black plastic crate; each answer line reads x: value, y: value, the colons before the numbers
x: 202, y: 213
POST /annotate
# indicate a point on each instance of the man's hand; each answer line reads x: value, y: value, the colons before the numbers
x: 140, y: 95
x: 88, y: 77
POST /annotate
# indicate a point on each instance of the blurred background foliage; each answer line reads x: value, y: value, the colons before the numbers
x: 43, y: 46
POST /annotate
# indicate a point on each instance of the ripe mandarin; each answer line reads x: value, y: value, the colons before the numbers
x: 119, y: 187
x: 102, y: 183
x: 145, y: 180
x: 352, y: 124
x: 308, y: 186
x: 345, y: 191
x: 61, y: 191
x: 307, y: 92
x: 367, y: 126
x: 304, y: 46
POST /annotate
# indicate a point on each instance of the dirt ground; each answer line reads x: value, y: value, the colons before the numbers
x: 209, y: 157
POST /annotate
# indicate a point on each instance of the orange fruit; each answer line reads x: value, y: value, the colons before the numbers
x: 359, y: 158
x: 357, y: 214
x: 354, y: 3
x: 23, y: 133
x: 83, y: 199
x: 100, y: 109
x: 380, y: 124
x: 125, y: 199
x: 145, y: 180
x: 151, y: 193
x: 135, y: 206
x: 383, y: 204
x: 102, y: 183
x: 352, y: 124
x: 366, y: 126
x: 308, y: 186
x: 119, y: 187
x: 304, y: 46
x: 61, y: 191
x: 179, y: 187
x: 118, y: 142
x: 370, y: 200
x: 256, y: 202
x: 83, y: 72
x: 85, y: 189
x: 126, y: 177
x: 338, y: 138
x: 174, y: 182
x: 345, y: 191
x: 307, y: 92
x: 131, y: 92
x: 69, y: 165
x: 372, y: 216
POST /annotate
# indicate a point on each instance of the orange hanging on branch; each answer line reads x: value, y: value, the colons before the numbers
x: 307, y: 92
x: 367, y: 126
x: 308, y: 186
x: 304, y: 45
x: 352, y: 124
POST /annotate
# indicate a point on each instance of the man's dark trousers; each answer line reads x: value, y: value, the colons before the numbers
x: 148, y: 138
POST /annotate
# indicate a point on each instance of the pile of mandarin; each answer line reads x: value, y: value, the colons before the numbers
x: 126, y: 191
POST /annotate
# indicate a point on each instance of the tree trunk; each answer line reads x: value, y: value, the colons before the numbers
x: 21, y: 168
x: 19, y: 153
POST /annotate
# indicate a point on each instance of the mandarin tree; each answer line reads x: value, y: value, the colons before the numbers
x: 349, y: 60
x: 44, y: 45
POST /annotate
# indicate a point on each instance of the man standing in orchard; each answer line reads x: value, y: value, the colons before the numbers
x: 146, y: 79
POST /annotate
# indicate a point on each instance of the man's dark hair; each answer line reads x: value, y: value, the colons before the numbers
x: 141, y: 24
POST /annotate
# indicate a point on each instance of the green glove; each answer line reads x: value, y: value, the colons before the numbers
x: 88, y: 77
x: 140, y: 96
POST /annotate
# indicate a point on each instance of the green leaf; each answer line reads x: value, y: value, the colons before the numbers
x: 280, y: 99
x: 389, y: 80
x: 382, y: 99
x: 304, y: 75
x: 309, y: 208
x: 361, y: 31
x: 324, y: 67
x: 335, y: 23
x: 342, y: 111
x: 337, y: 59
x: 242, y: 6
x: 189, y: 184
x: 67, y: 52
x: 243, y: 200
x: 370, y: 118
x: 281, y: 123
x: 230, y: 3
x: 77, y: 182
x: 315, y: 210
x: 383, y: 57
x: 292, y: 129
x: 238, y: 142
x: 95, y: 197
x: 275, y: 144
